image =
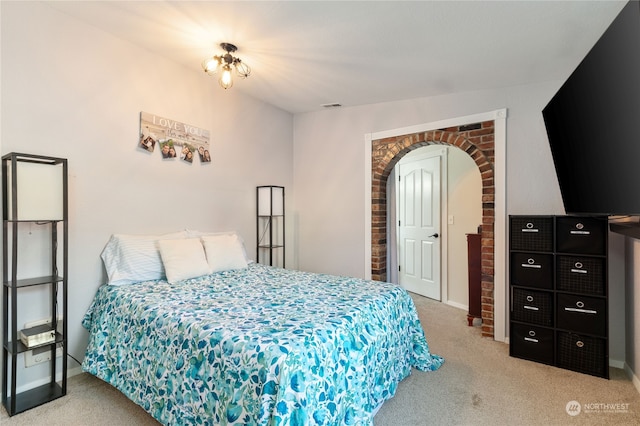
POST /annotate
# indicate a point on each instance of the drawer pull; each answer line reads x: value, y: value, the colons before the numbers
x: 582, y: 311
x: 580, y: 232
x: 526, y: 265
x: 579, y: 271
x: 579, y: 343
x: 529, y: 339
x: 529, y: 230
x: 531, y: 308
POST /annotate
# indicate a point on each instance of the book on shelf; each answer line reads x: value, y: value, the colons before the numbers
x: 38, y: 335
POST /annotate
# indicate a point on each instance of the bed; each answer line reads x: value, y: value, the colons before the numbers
x: 255, y: 345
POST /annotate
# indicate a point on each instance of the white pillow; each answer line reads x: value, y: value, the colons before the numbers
x: 134, y: 258
x: 224, y: 252
x: 192, y: 233
x: 183, y: 259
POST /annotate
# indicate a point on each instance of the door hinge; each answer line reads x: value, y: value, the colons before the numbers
x: 398, y: 223
x: 398, y: 268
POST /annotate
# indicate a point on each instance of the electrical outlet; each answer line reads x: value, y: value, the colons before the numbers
x: 40, y: 355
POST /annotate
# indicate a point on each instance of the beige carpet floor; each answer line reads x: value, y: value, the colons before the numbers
x: 479, y: 384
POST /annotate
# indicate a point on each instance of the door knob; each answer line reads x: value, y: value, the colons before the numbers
x: 434, y: 235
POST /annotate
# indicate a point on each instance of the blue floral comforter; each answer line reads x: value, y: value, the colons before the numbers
x: 261, y: 345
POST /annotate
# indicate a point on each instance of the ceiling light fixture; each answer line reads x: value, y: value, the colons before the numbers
x: 222, y: 65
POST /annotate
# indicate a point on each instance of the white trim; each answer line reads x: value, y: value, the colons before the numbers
x: 500, y: 263
x: 499, y: 272
x: 632, y: 376
x: 444, y: 228
x: 457, y: 305
x: 74, y: 371
x: 367, y: 206
x: 616, y: 363
x: 45, y: 380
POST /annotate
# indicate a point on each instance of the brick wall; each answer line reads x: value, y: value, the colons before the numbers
x: 477, y: 140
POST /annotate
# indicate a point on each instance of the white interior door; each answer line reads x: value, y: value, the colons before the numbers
x: 419, y: 247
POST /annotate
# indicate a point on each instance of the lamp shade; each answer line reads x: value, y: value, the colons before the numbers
x: 270, y: 201
x: 37, y: 191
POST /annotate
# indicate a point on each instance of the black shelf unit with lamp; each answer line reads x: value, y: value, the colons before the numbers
x: 35, y: 198
x: 270, y: 225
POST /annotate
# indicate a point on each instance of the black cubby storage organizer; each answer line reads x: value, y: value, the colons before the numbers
x: 559, y: 290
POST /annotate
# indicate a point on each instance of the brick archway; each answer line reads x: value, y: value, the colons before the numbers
x: 478, y: 141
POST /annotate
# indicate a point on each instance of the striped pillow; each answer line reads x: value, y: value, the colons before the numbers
x: 133, y: 258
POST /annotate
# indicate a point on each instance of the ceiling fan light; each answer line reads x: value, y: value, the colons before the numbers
x: 210, y: 65
x: 227, y: 58
x: 222, y: 65
x: 226, y: 80
x: 242, y: 69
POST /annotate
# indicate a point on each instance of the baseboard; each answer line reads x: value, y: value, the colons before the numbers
x: 616, y: 364
x: 74, y: 371
x: 70, y: 373
x: 457, y: 305
x: 632, y: 376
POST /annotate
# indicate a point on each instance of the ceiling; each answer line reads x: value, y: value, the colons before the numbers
x: 305, y: 54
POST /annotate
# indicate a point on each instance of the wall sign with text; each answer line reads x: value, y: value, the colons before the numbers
x: 173, y: 138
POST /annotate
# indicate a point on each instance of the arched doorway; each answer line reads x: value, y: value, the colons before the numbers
x: 478, y: 141
x: 460, y: 212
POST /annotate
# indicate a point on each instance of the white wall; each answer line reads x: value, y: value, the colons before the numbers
x: 464, y: 189
x: 617, y: 314
x: 70, y: 90
x: 329, y: 166
x: 632, y: 309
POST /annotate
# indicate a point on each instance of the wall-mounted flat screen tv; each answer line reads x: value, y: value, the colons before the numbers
x: 593, y: 124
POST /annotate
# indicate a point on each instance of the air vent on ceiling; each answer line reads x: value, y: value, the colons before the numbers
x: 334, y: 105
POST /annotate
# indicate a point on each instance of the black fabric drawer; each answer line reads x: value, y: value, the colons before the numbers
x: 534, y: 307
x: 532, y: 343
x: 532, y: 270
x: 531, y: 233
x: 585, y: 275
x: 581, y: 235
x: 583, y: 354
x: 582, y: 314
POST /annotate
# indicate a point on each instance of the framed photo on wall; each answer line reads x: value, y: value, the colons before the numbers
x: 174, y: 137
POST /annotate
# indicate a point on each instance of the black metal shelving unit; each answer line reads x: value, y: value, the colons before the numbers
x: 17, y: 222
x: 270, y: 225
